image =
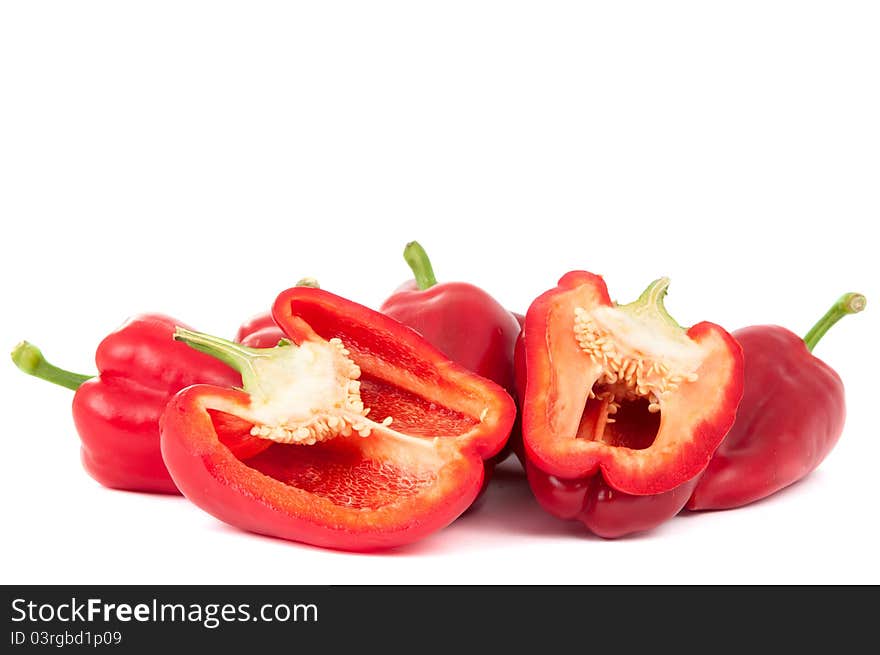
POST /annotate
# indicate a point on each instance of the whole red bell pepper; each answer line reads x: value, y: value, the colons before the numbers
x: 117, y: 413
x: 621, y: 407
x: 372, y: 437
x: 467, y: 324
x: 790, y: 418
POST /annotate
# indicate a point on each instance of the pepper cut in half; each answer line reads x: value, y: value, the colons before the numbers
x: 621, y: 401
x: 362, y: 434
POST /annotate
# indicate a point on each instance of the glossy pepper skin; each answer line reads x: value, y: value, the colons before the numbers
x: 261, y: 331
x: 117, y: 413
x: 790, y: 418
x: 635, y: 473
x: 392, y: 487
x: 467, y: 324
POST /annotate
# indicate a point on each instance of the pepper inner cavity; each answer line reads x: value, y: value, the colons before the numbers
x: 314, y: 395
x: 624, y: 404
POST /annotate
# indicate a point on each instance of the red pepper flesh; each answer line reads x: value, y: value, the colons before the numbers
x: 401, y: 482
x: 621, y: 408
x: 604, y: 511
x: 790, y: 418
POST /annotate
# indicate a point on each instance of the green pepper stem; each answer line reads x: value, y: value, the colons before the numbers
x: 233, y: 354
x: 421, y: 267
x: 848, y: 303
x: 28, y: 358
x: 308, y: 282
x: 242, y: 358
x: 650, y: 302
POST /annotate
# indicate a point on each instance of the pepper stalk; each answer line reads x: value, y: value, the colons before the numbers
x: 420, y: 264
x: 29, y: 359
x: 848, y: 303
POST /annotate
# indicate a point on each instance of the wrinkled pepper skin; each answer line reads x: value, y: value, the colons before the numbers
x: 605, y: 511
x: 117, y: 413
x: 588, y: 486
x: 349, y: 493
x: 791, y: 416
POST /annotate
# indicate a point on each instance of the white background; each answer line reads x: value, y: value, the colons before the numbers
x: 197, y: 158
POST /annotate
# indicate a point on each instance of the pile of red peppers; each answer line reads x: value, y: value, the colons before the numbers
x: 329, y: 423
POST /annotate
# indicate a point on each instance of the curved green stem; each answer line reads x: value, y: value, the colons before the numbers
x: 421, y: 267
x: 650, y: 303
x: 28, y: 358
x: 848, y: 303
x: 257, y: 366
x: 308, y: 282
x: 233, y: 354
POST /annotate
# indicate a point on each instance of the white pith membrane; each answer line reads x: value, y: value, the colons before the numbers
x: 641, y: 357
x: 309, y: 393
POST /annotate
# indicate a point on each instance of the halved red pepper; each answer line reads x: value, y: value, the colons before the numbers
x: 117, y: 412
x: 621, y: 407
x: 427, y: 425
x: 790, y: 418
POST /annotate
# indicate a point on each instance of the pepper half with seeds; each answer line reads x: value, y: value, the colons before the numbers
x: 356, y: 434
x: 621, y: 407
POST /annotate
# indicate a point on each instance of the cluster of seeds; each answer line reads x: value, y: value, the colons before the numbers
x: 348, y: 420
x: 624, y: 377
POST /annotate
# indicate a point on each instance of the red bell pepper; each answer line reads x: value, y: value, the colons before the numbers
x: 117, y: 413
x: 467, y: 324
x: 790, y: 418
x: 261, y: 331
x: 428, y: 424
x: 621, y: 407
